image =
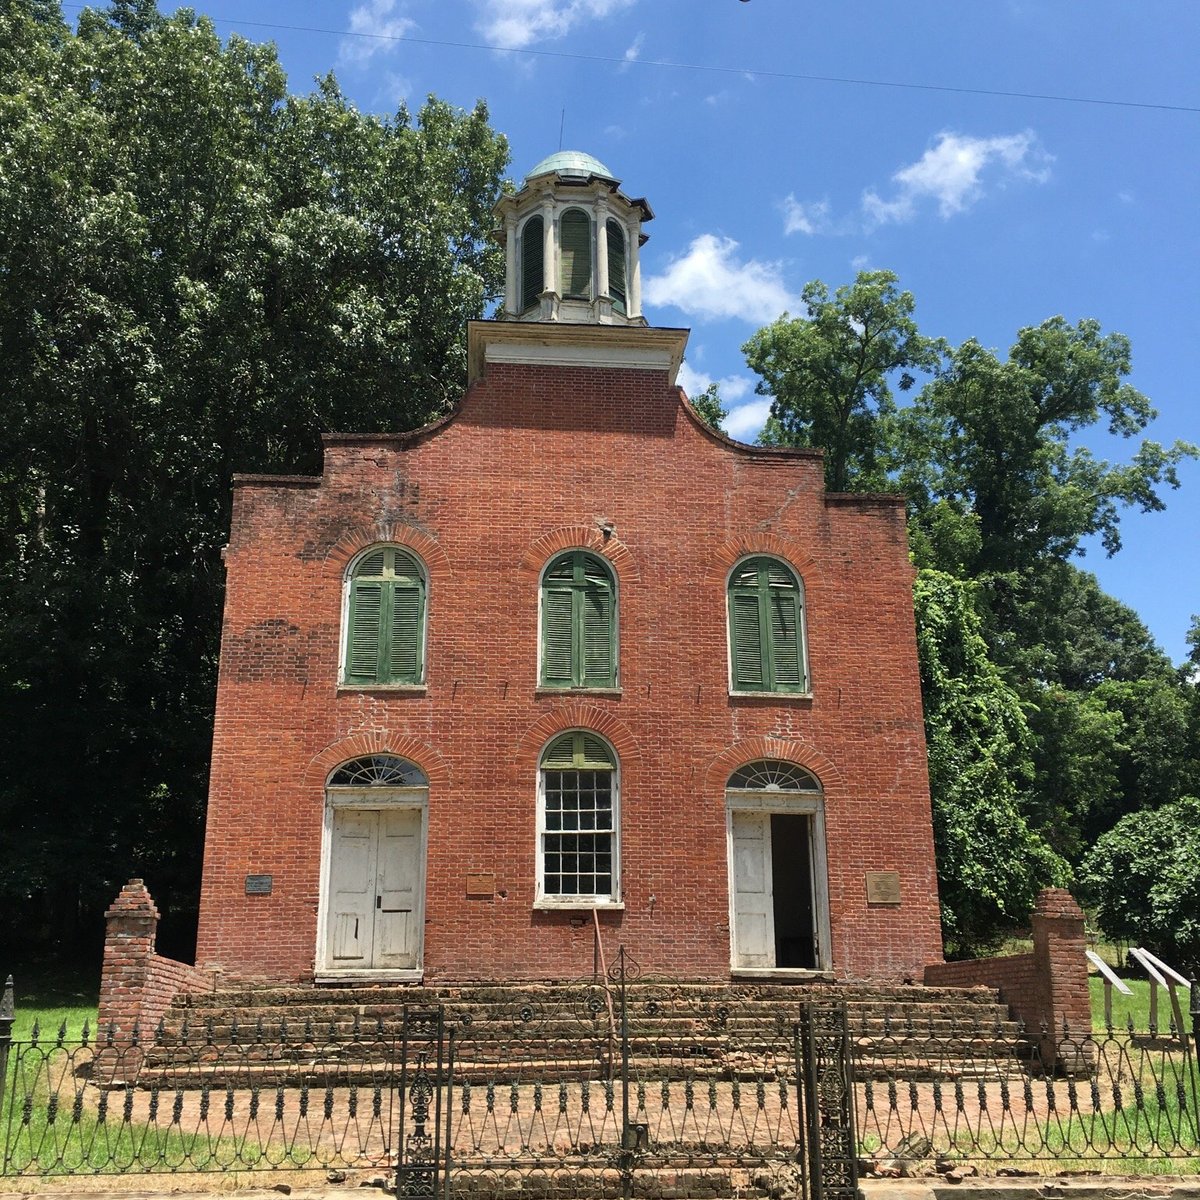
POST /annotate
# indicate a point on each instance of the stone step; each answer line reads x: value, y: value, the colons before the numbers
x: 486, y: 994
x: 667, y: 1030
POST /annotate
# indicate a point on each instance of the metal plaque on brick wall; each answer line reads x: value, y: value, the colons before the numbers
x: 883, y: 887
x: 259, y: 885
x: 481, y: 885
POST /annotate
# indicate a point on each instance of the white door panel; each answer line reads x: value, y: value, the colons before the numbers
x: 753, y: 908
x: 376, y: 886
x: 399, y: 873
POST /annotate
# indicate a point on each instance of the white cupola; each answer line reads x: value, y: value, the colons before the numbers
x: 571, y: 240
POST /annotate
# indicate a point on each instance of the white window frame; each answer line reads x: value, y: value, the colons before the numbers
x: 344, y: 623
x: 552, y: 689
x: 541, y: 899
x: 734, y: 690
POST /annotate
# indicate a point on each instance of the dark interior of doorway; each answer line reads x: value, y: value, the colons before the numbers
x: 791, y: 868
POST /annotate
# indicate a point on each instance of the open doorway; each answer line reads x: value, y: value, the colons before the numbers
x: 778, y: 893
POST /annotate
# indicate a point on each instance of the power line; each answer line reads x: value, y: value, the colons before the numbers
x: 793, y: 76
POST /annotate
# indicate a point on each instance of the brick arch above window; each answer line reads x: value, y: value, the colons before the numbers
x: 359, y: 745
x: 789, y: 749
x: 579, y: 537
x: 722, y: 558
x: 428, y: 549
x: 577, y: 715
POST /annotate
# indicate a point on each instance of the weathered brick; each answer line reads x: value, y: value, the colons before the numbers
x: 537, y: 459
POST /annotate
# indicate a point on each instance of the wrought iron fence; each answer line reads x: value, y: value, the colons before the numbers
x: 584, y: 1086
x: 1116, y: 1099
x: 649, y: 1090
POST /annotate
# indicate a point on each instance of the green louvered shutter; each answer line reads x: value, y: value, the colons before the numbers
x: 560, y: 754
x: 404, y: 652
x: 578, y: 751
x: 556, y: 635
x: 787, y: 671
x: 575, y: 232
x: 745, y: 636
x: 616, y: 265
x: 597, y: 635
x: 595, y: 752
x: 532, y: 269
x: 363, y: 640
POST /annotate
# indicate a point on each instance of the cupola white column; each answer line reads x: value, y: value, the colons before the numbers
x: 512, y: 301
x: 635, y: 273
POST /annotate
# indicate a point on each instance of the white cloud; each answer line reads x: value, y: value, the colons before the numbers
x: 378, y: 24
x: 805, y: 218
x: 514, y: 24
x: 1125, y: 197
x: 860, y: 262
x: 952, y: 173
x: 635, y: 49
x: 746, y: 421
x: 693, y: 382
x: 710, y: 282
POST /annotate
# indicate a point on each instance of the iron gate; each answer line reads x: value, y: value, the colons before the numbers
x: 618, y: 1087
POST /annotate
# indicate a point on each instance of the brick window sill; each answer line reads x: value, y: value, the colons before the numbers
x: 774, y: 697
x: 577, y: 691
x: 390, y: 689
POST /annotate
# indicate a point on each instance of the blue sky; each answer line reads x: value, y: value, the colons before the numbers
x: 996, y: 211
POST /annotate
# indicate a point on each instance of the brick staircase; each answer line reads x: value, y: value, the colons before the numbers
x: 561, y: 1029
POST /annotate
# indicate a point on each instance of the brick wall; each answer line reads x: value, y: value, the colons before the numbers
x: 538, y: 459
x: 1046, y: 987
x: 136, y: 984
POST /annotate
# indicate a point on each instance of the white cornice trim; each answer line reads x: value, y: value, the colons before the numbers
x: 536, y: 343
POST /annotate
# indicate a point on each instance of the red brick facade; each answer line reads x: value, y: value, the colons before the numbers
x: 538, y: 459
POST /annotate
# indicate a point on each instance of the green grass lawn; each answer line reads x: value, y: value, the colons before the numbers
x: 1136, y: 1006
x: 52, y: 995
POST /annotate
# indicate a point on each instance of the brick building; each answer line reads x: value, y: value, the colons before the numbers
x: 567, y: 664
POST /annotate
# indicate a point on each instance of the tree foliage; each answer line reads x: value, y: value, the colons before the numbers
x: 1050, y: 711
x: 990, y: 862
x: 1143, y: 877
x: 709, y: 407
x: 831, y: 374
x: 199, y: 273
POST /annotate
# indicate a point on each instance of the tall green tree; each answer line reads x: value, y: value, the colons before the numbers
x: 831, y: 374
x: 1143, y: 877
x: 199, y: 273
x: 992, y: 438
x: 1001, y: 497
x: 991, y: 862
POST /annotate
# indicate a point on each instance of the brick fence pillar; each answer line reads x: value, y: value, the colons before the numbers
x: 131, y: 926
x: 1059, y: 951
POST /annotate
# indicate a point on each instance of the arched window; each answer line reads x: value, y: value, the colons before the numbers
x: 378, y: 771
x: 575, y: 237
x: 579, y: 622
x: 766, y: 628
x: 577, y: 820
x: 615, y: 237
x: 532, y: 270
x: 771, y: 775
x: 385, y: 618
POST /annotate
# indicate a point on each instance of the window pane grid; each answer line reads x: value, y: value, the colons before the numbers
x: 577, y: 843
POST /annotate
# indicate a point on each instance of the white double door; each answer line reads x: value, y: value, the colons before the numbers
x: 777, y: 891
x: 376, y: 887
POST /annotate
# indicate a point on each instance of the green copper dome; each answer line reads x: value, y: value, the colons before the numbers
x: 573, y: 164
